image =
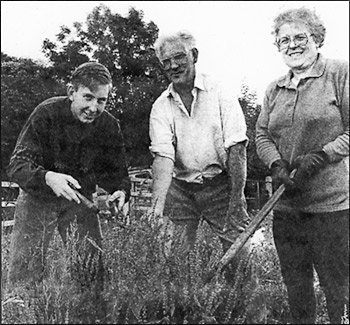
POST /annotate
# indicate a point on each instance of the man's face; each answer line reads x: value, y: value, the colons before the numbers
x: 178, y: 63
x: 88, y: 104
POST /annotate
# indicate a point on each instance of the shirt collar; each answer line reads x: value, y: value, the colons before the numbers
x: 316, y: 71
x: 198, y: 83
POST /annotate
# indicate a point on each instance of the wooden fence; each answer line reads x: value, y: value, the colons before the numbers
x: 257, y: 193
x: 9, y: 193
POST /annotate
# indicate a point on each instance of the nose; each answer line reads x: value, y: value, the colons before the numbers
x: 292, y: 41
x: 173, y: 64
x: 93, y: 106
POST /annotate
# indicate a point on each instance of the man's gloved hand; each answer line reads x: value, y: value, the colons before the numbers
x: 309, y: 165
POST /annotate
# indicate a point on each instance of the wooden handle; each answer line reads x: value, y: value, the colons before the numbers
x: 84, y: 199
x: 87, y: 202
x: 249, y: 231
x: 252, y: 227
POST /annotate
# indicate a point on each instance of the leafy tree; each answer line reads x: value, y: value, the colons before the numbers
x: 251, y: 110
x: 24, y: 84
x: 124, y: 46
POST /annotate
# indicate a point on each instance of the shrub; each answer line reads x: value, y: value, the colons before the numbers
x: 145, y: 285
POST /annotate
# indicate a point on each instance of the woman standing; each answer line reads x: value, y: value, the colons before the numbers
x: 304, y: 124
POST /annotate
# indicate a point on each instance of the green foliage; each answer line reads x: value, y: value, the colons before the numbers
x: 24, y: 84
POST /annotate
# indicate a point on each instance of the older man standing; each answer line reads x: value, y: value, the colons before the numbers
x: 198, y: 139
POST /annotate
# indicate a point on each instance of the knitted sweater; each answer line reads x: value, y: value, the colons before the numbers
x: 312, y: 116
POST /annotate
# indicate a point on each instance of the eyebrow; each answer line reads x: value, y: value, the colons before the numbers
x: 177, y: 53
x: 91, y: 95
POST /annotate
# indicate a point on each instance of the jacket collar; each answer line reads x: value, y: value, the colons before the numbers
x: 316, y: 71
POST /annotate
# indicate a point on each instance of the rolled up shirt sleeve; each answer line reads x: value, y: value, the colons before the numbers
x: 161, y: 132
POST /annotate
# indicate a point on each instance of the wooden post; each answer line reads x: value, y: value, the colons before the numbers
x: 268, y: 182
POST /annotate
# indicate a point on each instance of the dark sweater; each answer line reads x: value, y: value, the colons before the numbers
x: 53, y: 140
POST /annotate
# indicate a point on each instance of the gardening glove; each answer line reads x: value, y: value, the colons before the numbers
x: 308, y: 165
x: 280, y: 171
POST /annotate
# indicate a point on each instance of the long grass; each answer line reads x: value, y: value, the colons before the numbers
x: 145, y: 285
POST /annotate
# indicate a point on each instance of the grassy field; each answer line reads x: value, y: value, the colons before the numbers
x: 146, y: 286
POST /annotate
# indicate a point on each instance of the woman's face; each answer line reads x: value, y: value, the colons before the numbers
x: 297, y: 46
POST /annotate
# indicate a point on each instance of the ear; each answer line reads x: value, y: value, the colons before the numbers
x: 195, y: 55
x: 70, y: 91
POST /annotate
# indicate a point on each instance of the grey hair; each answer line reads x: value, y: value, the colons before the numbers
x: 183, y: 36
x: 305, y: 16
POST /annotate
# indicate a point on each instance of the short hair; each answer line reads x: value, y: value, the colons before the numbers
x: 305, y: 16
x: 91, y: 74
x: 183, y: 36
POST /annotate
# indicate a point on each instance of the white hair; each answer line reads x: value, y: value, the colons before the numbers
x: 183, y: 36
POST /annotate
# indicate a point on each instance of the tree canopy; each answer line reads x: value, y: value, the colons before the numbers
x: 24, y: 84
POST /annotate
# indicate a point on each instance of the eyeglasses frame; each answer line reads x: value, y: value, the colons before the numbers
x: 178, y: 61
x: 277, y: 42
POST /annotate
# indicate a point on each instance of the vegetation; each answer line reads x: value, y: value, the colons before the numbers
x: 146, y: 286
x: 24, y: 84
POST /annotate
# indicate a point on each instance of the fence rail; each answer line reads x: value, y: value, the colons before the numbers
x: 257, y: 192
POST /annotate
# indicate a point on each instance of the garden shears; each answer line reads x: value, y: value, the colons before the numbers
x: 116, y: 214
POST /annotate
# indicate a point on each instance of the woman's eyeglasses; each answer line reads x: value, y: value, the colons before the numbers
x: 298, y: 40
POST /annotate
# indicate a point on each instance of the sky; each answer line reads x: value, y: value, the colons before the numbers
x: 233, y: 37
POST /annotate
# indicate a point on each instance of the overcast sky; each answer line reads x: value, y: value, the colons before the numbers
x: 233, y: 37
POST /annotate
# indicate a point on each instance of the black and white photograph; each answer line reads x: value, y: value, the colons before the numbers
x: 174, y: 162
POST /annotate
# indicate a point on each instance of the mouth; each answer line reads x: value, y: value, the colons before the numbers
x: 89, y: 117
x: 295, y: 54
x: 176, y: 74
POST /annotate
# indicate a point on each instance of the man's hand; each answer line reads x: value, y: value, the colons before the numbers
x: 155, y: 213
x: 59, y: 183
x: 237, y: 218
x: 162, y: 170
x: 309, y: 165
x: 116, y: 196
